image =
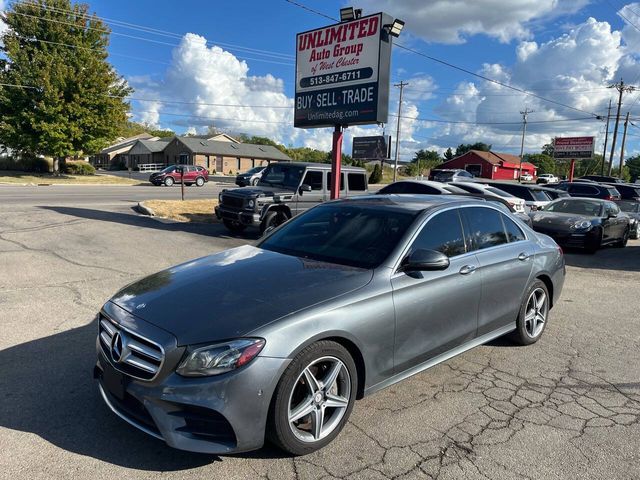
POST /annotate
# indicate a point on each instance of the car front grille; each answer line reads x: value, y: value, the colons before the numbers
x: 233, y: 202
x: 132, y: 354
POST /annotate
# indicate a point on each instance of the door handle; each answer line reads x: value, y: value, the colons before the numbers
x: 467, y: 269
x: 523, y: 256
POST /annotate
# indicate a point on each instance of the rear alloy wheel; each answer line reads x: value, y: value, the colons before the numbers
x: 273, y: 219
x: 533, y: 315
x: 313, y: 399
x: 234, y: 226
x: 169, y: 181
x: 199, y: 181
x: 623, y: 241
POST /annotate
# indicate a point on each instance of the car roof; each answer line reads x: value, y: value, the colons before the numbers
x: 321, y: 166
x: 410, y: 201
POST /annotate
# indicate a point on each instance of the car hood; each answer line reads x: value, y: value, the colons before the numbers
x: 234, y: 292
x: 252, y: 192
x: 559, y: 220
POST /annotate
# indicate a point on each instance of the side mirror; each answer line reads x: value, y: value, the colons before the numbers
x: 304, y: 188
x: 425, y: 260
x: 611, y: 215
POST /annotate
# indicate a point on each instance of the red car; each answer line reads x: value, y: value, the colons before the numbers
x: 192, y: 175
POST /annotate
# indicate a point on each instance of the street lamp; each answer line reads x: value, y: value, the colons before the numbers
x: 349, y: 13
x: 395, y: 28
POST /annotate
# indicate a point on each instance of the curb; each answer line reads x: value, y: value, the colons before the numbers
x: 144, y: 210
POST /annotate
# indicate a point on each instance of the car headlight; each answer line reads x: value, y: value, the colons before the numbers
x: 251, y: 203
x: 582, y: 225
x: 220, y: 358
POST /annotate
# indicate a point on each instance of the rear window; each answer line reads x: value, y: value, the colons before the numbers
x: 408, y: 187
x: 540, y: 195
x: 499, y: 192
x: 443, y: 176
x: 485, y: 227
x: 613, y: 192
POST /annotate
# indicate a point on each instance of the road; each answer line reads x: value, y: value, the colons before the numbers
x: 566, y: 407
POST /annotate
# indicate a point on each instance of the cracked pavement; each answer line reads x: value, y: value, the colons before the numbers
x: 566, y: 407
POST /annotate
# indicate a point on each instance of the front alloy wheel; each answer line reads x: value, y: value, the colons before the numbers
x: 313, y: 399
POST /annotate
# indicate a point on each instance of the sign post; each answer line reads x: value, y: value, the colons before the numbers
x: 342, y: 78
x: 573, y: 148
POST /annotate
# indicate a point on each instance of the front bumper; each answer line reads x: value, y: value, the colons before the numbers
x: 571, y: 239
x: 244, y: 217
x: 218, y: 415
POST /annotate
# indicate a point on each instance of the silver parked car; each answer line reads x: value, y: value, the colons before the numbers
x: 343, y: 300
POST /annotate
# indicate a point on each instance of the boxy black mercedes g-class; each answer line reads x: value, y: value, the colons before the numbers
x: 285, y: 190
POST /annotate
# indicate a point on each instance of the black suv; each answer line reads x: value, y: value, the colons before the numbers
x: 602, y: 178
x: 590, y: 190
x: 283, y: 191
x: 628, y: 191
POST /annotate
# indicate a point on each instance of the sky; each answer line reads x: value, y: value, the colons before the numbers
x: 193, y: 62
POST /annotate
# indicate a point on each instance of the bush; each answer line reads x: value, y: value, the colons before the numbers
x: 79, y: 168
x: 26, y: 164
x: 376, y: 175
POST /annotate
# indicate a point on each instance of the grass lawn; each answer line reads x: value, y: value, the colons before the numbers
x: 47, y: 178
x: 184, y: 211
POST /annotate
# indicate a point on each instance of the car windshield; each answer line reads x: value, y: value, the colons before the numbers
x: 540, y: 195
x: 357, y: 235
x: 168, y: 169
x: 282, y: 175
x: 254, y: 170
x: 629, y: 207
x: 579, y: 207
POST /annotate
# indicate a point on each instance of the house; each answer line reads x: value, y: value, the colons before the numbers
x: 147, y: 151
x: 116, y: 153
x: 492, y: 165
x: 222, y: 156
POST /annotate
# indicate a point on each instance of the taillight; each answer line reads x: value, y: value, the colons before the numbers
x: 608, y: 197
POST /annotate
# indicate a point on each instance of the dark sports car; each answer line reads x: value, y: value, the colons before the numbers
x: 583, y: 223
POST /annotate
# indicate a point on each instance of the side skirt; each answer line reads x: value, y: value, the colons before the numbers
x: 487, y: 337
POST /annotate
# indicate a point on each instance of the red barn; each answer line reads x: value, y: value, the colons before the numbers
x: 496, y: 166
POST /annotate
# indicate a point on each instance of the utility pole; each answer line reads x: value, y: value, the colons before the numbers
x: 401, y: 85
x: 606, y: 137
x: 524, y: 132
x: 621, y: 87
x: 624, y: 139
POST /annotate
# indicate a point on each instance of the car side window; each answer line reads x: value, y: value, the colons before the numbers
x: 486, y: 229
x: 583, y: 189
x: 329, y: 181
x: 442, y: 233
x: 357, y: 182
x: 313, y: 179
x: 514, y: 233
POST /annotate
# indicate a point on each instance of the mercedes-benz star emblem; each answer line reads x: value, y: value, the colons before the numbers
x: 118, y: 347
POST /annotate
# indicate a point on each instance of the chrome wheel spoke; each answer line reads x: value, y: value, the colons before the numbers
x: 317, y: 421
x: 541, y: 300
x: 302, y: 410
x: 312, y: 381
x: 336, y: 401
x: 332, y: 376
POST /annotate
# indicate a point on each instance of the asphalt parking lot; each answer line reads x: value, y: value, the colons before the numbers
x: 566, y: 407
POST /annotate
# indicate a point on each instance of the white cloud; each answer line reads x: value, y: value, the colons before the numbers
x: 451, y: 21
x: 3, y: 26
x: 573, y: 69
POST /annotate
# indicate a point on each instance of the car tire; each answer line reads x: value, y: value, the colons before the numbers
x: 322, y: 381
x: 169, y: 181
x: 533, y: 314
x: 273, y: 219
x: 624, y: 240
x: 199, y: 181
x: 234, y: 226
x: 255, y: 181
x: 593, y: 245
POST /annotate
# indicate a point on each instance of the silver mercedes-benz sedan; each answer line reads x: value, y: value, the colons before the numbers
x: 339, y: 302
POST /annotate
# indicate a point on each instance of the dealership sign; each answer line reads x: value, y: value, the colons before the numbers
x: 371, y: 148
x: 573, y: 147
x: 342, y: 73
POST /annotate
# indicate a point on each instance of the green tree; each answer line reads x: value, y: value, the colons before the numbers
x: 73, y: 102
x: 376, y: 175
x: 633, y: 165
x: 448, y: 155
x: 544, y: 163
x: 422, y: 161
x: 465, y: 147
x: 547, y: 149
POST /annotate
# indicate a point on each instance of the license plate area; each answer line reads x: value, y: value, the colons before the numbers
x: 115, y: 382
